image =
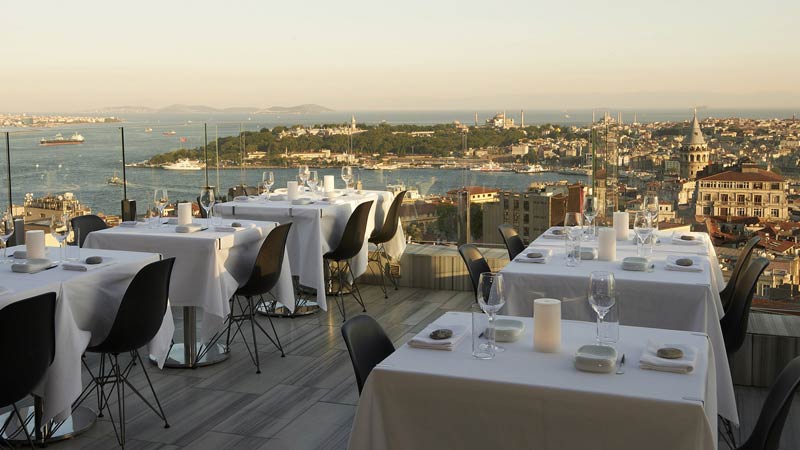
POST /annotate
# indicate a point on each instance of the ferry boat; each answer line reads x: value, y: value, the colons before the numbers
x: 533, y: 168
x: 169, y: 133
x: 61, y: 140
x: 114, y: 180
x: 183, y: 164
x: 148, y: 130
x: 490, y: 167
x: 380, y: 166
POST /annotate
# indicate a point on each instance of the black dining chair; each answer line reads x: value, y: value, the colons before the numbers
x: 476, y: 264
x: 349, y: 246
x: 28, y: 345
x: 203, y: 214
x: 137, y: 322
x: 367, y: 345
x: 767, y: 433
x: 83, y: 225
x: 743, y: 260
x: 511, y: 238
x: 263, y: 278
x: 384, y: 235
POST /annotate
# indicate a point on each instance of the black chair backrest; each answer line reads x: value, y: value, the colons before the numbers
x: 142, y: 310
x: 767, y: 433
x: 83, y: 225
x: 742, y: 261
x: 28, y: 342
x: 367, y: 344
x: 203, y: 214
x: 734, y: 322
x: 389, y: 228
x: 512, y: 240
x: 353, y: 236
x: 267, y: 267
x: 476, y: 264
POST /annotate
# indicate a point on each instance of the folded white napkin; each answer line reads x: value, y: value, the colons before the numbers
x: 189, y: 228
x: 231, y: 228
x: 676, y: 239
x: 423, y: 339
x: 696, y: 266
x: 129, y: 223
x: 650, y: 360
x: 331, y: 201
x: 277, y: 197
x: 524, y: 258
x: 83, y: 267
x: 32, y: 266
x: 549, y: 233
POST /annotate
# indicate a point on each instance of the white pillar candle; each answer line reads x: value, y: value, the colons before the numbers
x: 546, y: 325
x: 34, y: 244
x: 291, y: 190
x: 621, y: 225
x: 327, y: 183
x: 606, y: 244
x: 184, y: 213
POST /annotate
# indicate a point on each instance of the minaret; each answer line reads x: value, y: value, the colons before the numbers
x: 694, y: 151
x: 619, y: 117
x: 504, y: 119
x: 522, y: 118
x: 476, y: 118
x: 353, y: 123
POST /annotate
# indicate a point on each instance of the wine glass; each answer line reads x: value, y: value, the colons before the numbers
x: 313, y: 181
x: 347, y: 175
x: 643, y: 229
x: 160, y: 199
x: 602, y: 296
x: 302, y: 174
x: 491, y: 299
x: 6, y: 231
x: 573, y: 230
x: 267, y: 180
x: 59, y: 229
x: 207, y: 201
x: 589, y: 213
x: 650, y: 207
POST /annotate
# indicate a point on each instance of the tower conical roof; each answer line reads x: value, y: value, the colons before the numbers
x: 696, y: 135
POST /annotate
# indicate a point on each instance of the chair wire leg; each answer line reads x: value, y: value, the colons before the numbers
x: 23, y: 426
x: 341, y: 290
x: 728, y: 436
x: 251, y: 313
x: 120, y: 401
x: 152, y: 389
x: 354, y: 291
x: 277, y: 340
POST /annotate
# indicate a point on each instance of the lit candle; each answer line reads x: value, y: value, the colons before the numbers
x: 546, y: 325
x: 291, y: 190
x: 184, y: 213
x: 34, y: 244
x: 327, y: 183
x: 621, y: 224
x: 606, y: 244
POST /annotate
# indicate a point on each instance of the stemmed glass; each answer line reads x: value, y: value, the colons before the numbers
x: 267, y: 180
x: 650, y: 207
x: 6, y: 231
x: 160, y: 199
x: 589, y: 213
x: 643, y: 229
x: 602, y: 296
x: 313, y: 181
x: 59, y: 229
x: 347, y: 176
x: 491, y: 299
x: 303, y: 173
x: 573, y: 231
x: 207, y: 201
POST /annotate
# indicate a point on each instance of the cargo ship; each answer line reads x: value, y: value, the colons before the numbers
x: 61, y: 140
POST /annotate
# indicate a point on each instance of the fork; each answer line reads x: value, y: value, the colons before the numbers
x: 621, y: 367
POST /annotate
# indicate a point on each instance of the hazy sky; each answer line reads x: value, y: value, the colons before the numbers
x: 80, y: 55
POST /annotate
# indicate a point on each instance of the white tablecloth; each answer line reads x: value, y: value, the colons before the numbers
x: 317, y: 229
x: 433, y: 399
x: 209, y: 265
x: 659, y: 299
x: 86, y: 307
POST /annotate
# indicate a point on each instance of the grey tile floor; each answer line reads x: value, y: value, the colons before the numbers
x: 306, y: 400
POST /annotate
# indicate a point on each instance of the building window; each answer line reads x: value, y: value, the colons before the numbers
x: 739, y: 211
x: 526, y: 232
x: 516, y: 204
x: 757, y: 199
x: 706, y: 197
x: 776, y: 199
x: 723, y: 197
x: 723, y: 211
x: 758, y: 185
x: 758, y: 212
x: 526, y: 206
x: 740, y: 199
x: 775, y: 186
x: 775, y: 212
x: 706, y: 210
x: 526, y: 218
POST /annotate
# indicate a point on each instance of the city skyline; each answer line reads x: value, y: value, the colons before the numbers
x: 362, y: 56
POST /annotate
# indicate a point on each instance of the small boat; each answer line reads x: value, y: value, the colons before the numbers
x: 490, y: 167
x: 148, y: 130
x: 183, y: 164
x: 114, y: 180
x: 169, y: 133
x: 61, y: 140
x: 533, y: 168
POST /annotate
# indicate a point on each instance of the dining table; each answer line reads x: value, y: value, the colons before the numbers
x: 86, y: 306
x: 318, y: 223
x: 433, y: 399
x: 210, y: 265
x: 664, y: 296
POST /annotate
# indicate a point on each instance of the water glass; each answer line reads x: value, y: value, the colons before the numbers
x: 609, y: 327
x: 482, y: 342
x: 574, y: 235
x: 491, y: 298
x: 59, y: 229
x: 160, y: 199
x: 267, y: 180
x: 643, y: 229
x: 73, y: 249
x: 313, y: 181
x: 589, y: 213
x: 650, y: 208
x: 302, y: 175
x: 347, y: 175
x: 207, y: 200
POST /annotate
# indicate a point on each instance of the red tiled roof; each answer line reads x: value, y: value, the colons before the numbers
x: 732, y: 175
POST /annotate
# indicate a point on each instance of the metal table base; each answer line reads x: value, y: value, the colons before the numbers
x: 278, y: 309
x: 182, y: 356
x: 81, y: 419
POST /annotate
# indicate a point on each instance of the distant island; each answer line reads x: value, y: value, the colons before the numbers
x: 308, y: 108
